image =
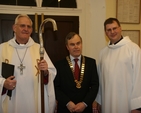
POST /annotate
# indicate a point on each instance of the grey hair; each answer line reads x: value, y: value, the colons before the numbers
x: 22, y: 15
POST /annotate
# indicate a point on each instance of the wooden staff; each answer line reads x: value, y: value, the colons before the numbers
x: 42, y: 57
x: 42, y: 90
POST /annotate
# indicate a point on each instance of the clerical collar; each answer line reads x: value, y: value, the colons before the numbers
x: 19, y: 43
x: 117, y: 41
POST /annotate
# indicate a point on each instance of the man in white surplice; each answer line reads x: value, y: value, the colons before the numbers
x: 23, y: 53
x: 119, y: 72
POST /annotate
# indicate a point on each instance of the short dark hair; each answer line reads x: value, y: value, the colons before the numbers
x: 71, y: 35
x: 110, y: 21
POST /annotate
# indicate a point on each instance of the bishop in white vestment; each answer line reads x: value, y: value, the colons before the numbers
x: 26, y: 96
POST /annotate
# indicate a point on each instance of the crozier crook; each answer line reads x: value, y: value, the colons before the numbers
x: 40, y: 33
x: 42, y: 57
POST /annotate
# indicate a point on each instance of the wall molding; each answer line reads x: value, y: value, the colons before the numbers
x: 9, y: 9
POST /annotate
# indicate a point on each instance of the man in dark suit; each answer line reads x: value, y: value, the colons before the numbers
x: 75, y: 95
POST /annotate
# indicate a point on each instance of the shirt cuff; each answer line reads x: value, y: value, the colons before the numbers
x: 85, y: 104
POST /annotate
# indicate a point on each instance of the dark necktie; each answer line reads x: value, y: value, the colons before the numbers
x: 76, y: 69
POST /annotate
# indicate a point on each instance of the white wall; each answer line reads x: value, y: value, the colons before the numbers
x: 92, y: 15
x: 91, y: 26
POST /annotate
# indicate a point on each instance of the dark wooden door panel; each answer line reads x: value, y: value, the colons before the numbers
x: 6, y: 23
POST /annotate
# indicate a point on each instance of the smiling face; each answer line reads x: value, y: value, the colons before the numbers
x: 113, y: 31
x: 74, y: 45
x: 22, y: 29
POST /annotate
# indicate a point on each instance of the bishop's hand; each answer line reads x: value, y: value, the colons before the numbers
x: 10, y: 83
x: 42, y: 65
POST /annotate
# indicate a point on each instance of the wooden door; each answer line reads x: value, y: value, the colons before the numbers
x: 54, y: 42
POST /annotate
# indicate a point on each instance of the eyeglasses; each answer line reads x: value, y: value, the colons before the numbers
x: 113, y: 29
x: 24, y: 26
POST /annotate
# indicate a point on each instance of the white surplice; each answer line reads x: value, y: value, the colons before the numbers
x: 26, y: 97
x: 120, y: 77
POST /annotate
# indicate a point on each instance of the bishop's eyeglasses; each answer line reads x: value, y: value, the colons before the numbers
x: 24, y: 26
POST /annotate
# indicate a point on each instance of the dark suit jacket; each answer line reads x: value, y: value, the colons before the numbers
x: 65, y: 87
